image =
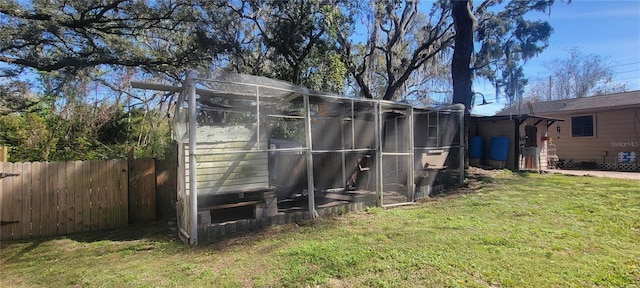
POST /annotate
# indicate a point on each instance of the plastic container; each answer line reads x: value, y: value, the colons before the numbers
x: 499, y: 149
x: 476, y: 147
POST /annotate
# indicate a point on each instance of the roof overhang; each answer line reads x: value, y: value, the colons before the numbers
x: 519, y: 118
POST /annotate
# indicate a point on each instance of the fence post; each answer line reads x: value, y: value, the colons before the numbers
x: 4, y: 153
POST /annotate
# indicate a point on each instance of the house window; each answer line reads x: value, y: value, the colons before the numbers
x: 582, y: 126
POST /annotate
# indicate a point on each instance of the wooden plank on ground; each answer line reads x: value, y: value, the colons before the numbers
x: 37, y: 170
x: 26, y: 201
x: 230, y: 205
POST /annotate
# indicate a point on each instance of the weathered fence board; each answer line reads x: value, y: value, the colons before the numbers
x: 142, y: 196
x: 78, y: 199
x: 52, y: 200
x: 108, y: 199
x: 7, y: 210
x: 55, y: 198
x: 26, y: 200
x: 123, y: 199
x: 86, y: 196
x: 166, y: 183
x: 94, y: 189
x: 70, y: 197
x: 36, y: 181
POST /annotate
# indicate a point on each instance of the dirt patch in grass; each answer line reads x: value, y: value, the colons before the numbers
x: 476, y: 180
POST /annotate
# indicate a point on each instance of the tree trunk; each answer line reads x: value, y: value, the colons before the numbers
x: 460, y: 65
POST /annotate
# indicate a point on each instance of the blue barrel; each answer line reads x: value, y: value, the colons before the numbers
x: 476, y: 147
x: 499, y: 148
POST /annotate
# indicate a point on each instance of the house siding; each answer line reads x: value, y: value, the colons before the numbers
x: 616, y: 130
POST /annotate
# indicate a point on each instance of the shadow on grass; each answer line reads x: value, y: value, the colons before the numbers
x: 138, y: 237
x: 32, y: 246
x: 164, y: 231
x: 524, y: 173
x: 478, y: 179
x: 256, y: 235
x: 159, y: 230
x: 155, y: 231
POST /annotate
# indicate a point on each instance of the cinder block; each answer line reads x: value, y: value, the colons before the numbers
x: 268, y: 208
x: 204, y: 217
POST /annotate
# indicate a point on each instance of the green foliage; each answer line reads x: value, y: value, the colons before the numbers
x: 288, y: 40
x: 68, y: 36
x: 77, y: 46
x: 83, y: 132
x: 14, y: 96
x: 304, y: 42
x: 288, y: 130
x: 325, y: 73
x: 149, y: 134
x: 508, y: 38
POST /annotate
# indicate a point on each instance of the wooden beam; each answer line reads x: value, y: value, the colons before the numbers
x: 231, y: 205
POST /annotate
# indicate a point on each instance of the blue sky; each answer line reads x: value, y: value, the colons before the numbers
x: 610, y: 29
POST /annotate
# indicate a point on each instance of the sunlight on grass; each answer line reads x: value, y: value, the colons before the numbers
x: 517, y: 230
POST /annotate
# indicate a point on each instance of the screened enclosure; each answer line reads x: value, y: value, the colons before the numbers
x: 252, y: 147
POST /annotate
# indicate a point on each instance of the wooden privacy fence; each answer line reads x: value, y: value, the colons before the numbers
x: 55, y: 198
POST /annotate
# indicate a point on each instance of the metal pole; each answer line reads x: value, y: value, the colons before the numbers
x: 310, y: 186
x: 342, y: 155
x: 353, y: 128
x: 193, y: 187
x: 461, y: 111
x: 378, y: 148
x: 258, y: 117
x: 411, y: 187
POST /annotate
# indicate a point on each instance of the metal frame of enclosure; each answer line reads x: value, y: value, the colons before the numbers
x: 238, y: 134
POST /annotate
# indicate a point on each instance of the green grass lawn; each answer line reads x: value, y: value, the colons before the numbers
x: 512, y: 230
